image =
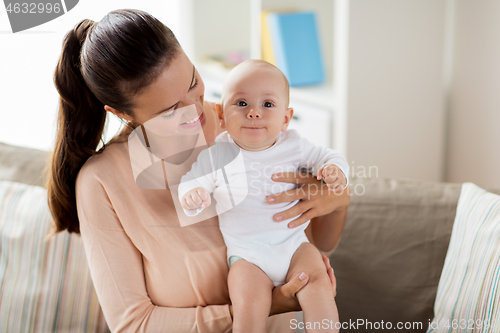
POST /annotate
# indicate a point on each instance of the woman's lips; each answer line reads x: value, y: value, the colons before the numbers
x: 194, y: 124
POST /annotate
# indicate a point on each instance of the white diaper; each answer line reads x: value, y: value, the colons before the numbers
x: 274, y: 260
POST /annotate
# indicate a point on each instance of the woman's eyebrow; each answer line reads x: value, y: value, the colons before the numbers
x: 190, y: 85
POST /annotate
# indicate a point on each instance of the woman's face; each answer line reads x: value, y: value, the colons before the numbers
x: 174, y: 102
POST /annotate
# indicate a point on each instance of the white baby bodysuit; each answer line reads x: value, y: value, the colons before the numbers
x: 245, y: 218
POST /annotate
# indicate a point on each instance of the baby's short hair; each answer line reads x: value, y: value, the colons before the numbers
x: 265, y: 63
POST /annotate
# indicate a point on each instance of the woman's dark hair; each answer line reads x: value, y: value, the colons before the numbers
x: 101, y: 63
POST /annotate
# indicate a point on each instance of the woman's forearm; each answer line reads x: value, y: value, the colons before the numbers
x: 326, y: 230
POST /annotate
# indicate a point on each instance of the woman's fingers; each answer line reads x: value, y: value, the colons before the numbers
x: 314, y: 196
x: 293, y: 177
x: 300, y: 208
x: 292, y: 287
x: 287, y: 196
x: 308, y: 215
x: 329, y: 270
x: 284, y: 296
x: 326, y: 260
x: 334, y: 281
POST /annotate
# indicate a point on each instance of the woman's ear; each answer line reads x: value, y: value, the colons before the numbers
x: 220, y: 115
x: 288, y: 118
x: 118, y: 113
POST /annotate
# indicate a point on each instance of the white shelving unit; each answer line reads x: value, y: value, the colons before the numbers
x: 383, y: 101
x: 236, y: 26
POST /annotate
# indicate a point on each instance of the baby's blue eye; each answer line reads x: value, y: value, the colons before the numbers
x: 241, y: 103
x: 268, y: 104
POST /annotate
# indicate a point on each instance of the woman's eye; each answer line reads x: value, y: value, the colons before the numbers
x: 194, y: 85
x: 268, y: 104
x: 241, y: 103
x: 168, y: 114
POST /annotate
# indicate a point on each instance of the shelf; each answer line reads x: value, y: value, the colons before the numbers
x: 235, y: 27
x: 321, y: 95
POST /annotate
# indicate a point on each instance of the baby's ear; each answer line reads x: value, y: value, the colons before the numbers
x: 288, y: 118
x: 218, y: 109
x: 220, y: 115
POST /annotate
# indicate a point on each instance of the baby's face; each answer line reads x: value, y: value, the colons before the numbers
x: 255, y: 106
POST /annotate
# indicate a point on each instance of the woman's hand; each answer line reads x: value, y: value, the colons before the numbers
x: 329, y: 270
x: 315, y: 198
x: 284, y: 299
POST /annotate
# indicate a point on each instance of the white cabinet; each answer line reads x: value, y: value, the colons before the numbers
x: 312, y: 122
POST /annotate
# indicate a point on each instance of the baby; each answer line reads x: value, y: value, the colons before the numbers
x: 262, y: 253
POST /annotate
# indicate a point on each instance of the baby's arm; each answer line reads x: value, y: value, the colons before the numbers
x: 196, y: 198
x: 197, y: 184
x: 327, y: 164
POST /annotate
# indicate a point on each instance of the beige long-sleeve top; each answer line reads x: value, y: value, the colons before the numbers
x: 151, y: 274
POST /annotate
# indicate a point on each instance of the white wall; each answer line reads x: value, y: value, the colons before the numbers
x: 474, y: 119
x: 395, y: 90
x: 396, y: 84
x: 28, y: 98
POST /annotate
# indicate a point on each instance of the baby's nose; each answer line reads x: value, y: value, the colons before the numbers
x: 253, y: 114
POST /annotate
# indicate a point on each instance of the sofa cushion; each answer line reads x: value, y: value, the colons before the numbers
x: 392, y: 251
x: 23, y: 165
x: 468, y: 297
x: 45, y: 285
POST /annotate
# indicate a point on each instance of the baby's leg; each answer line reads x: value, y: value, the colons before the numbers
x: 316, y: 298
x: 250, y: 290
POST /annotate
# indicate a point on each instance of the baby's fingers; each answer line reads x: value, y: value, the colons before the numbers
x: 184, y: 203
x: 205, y: 197
x: 196, y: 198
x: 331, y: 179
x: 329, y: 170
x: 188, y: 203
x: 336, y: 186
x: 320, y: 172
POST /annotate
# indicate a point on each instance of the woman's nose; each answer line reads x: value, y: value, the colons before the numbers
x: 253, y: 114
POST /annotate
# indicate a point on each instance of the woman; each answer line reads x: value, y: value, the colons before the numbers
x: 151, y: 274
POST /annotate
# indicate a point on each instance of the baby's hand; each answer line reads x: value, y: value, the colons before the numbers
x: 333, y: 177
x: 197, y: 197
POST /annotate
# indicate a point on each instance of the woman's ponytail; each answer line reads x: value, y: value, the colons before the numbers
x: 103, y: 63
x: 80, y: 126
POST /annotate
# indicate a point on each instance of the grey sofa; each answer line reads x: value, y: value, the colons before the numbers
x: 392, y: 250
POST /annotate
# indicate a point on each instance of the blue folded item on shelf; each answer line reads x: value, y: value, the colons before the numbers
x: 296, y: 47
